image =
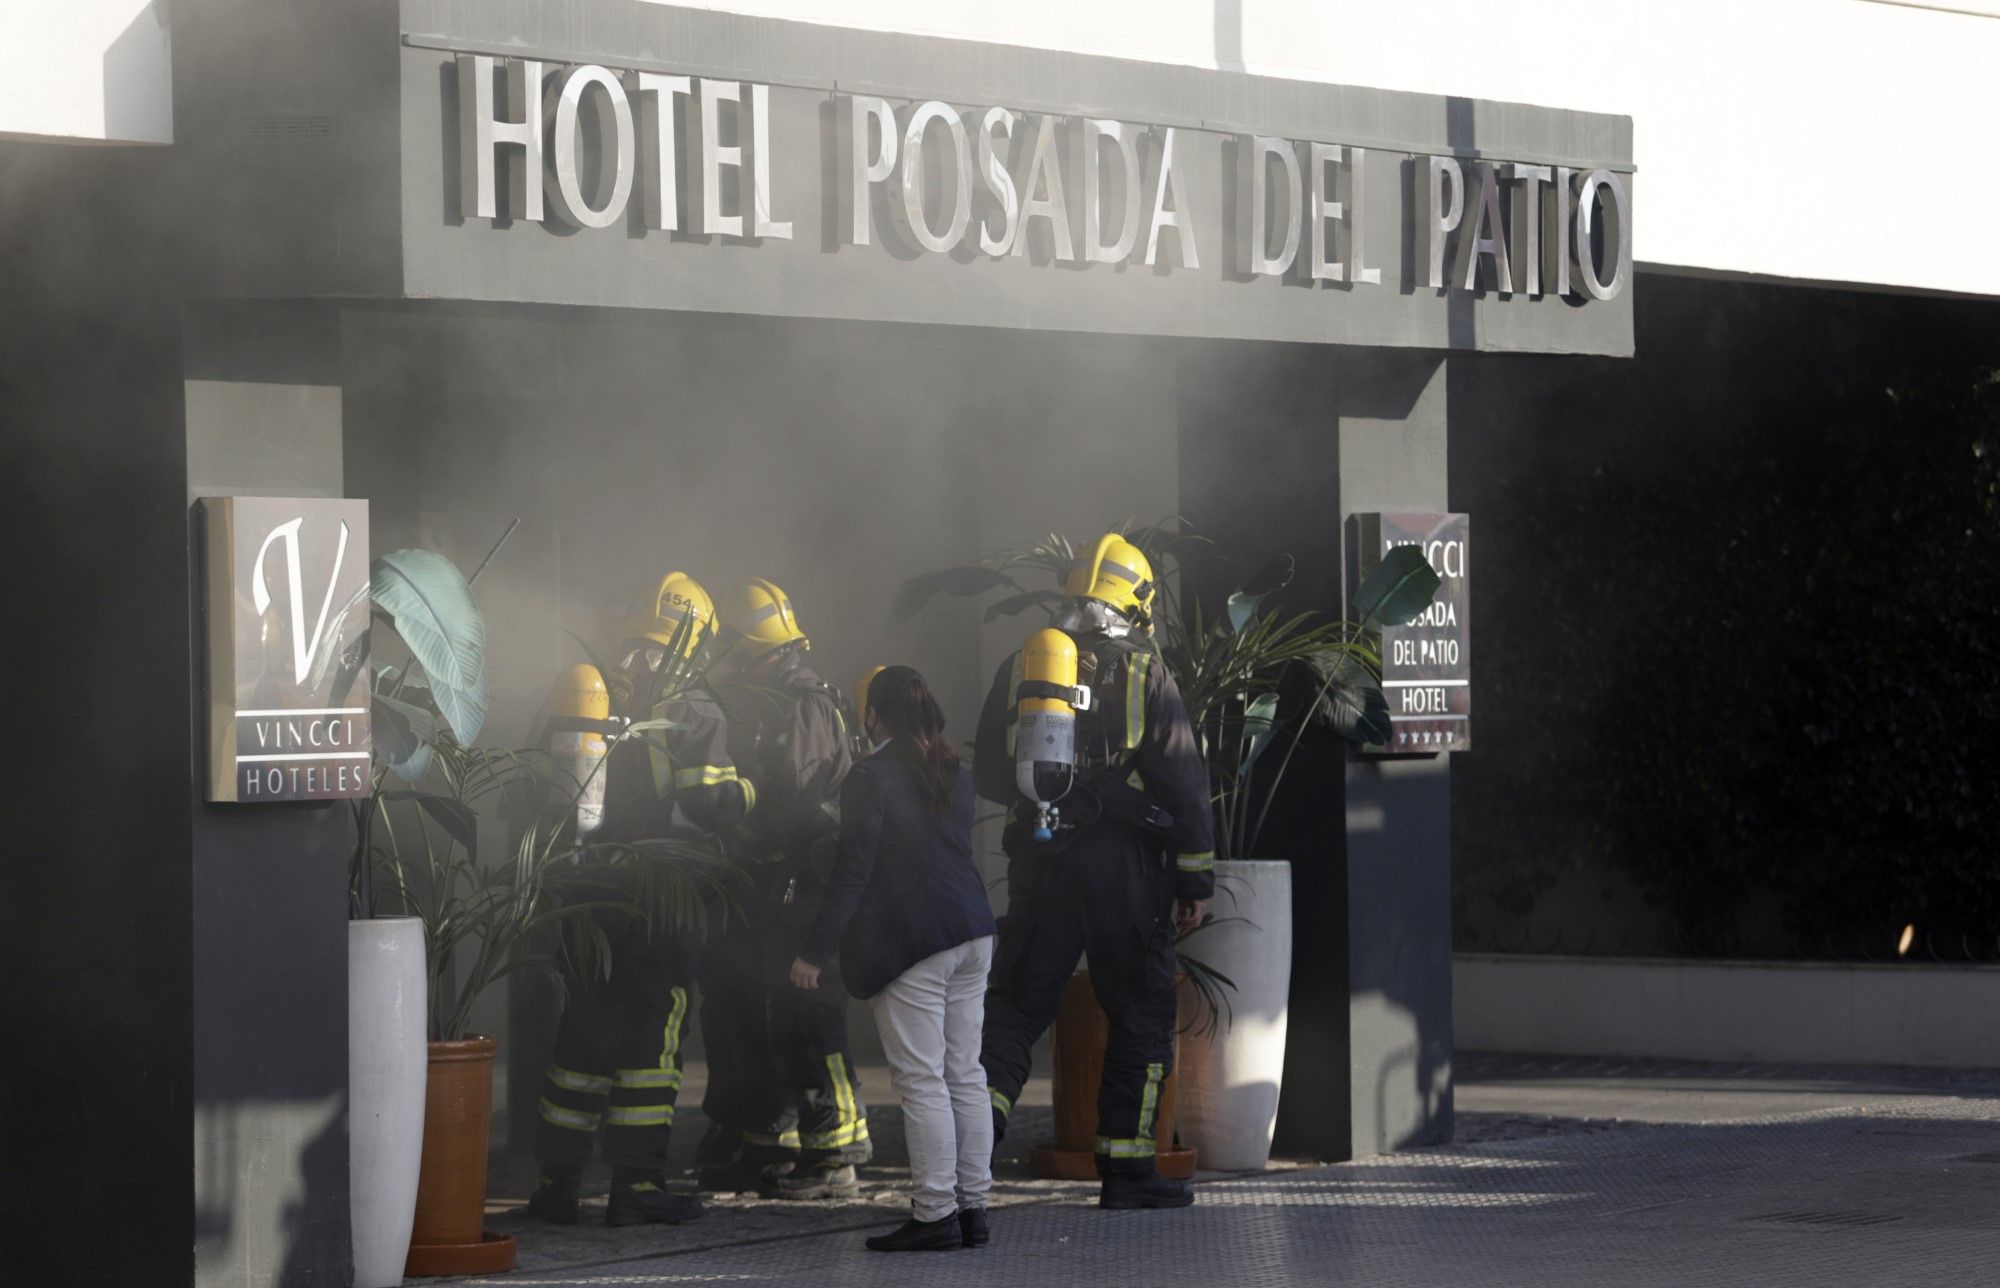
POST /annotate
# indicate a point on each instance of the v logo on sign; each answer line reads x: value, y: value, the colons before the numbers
x: 304, y: 647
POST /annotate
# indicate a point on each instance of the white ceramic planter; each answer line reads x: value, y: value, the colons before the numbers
x: 1230, y: 1079
x: 387, y: 1062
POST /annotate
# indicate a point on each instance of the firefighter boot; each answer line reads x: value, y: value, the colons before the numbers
x: 640, y: 1197
x: 555, y: 1195
x: 831, y: 1179
x: 762, y: 1159
x: 719, y: 1147
x: 1147, y: 1190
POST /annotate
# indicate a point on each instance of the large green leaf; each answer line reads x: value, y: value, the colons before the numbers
x: 1260, y: 721
x: 454, y: 816
x: 1401, y: 587
x: 1351, y: 701
x: 430, y: 604
x: 968, y: 579
x: 404, y: 735
x: 1268, y: 580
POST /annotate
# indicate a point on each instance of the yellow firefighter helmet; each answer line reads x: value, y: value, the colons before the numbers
x: 1115, y: 572
x: 761, y: 615
x: 678, y: 599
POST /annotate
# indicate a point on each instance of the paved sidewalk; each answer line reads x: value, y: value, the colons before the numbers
x: 1895, y: 1181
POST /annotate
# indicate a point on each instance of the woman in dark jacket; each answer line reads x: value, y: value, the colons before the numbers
x: 906, y: 912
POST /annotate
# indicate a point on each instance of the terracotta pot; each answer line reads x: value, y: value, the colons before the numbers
x: 448, y: 1237
x: 1077, y: 1055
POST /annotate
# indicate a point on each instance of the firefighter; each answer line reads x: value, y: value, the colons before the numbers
x: 793, y: 739
x: 617, y: 1064
x: 1110, y: 851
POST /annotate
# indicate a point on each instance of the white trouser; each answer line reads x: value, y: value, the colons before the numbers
x: 930, y: 1018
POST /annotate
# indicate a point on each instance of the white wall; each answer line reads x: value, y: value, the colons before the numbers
x: 1767, y: 1012
x: 86, y: 71
x: 1822, y: 140
x: 1825, y: 140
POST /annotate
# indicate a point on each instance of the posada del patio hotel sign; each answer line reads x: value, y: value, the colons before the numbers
x: 657, y: 154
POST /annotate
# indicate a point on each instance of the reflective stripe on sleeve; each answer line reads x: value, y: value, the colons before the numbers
x: 1202, y: 862
x: 639, y: 1116
x: 1136, y: 670
x: 704, y: 775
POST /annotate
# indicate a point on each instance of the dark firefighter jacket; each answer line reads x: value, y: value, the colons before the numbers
x: 693, y: 783
x: 792, y: 741
x: 1139, y: 730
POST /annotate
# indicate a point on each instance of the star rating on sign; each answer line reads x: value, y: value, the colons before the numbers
x: 1414, y: 738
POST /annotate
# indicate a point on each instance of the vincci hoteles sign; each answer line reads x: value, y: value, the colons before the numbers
x: 591, y: 149
x: 287, y: 607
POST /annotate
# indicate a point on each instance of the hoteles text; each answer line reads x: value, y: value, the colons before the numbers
x: 581, y: 143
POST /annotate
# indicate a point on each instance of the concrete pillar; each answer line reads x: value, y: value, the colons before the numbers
x: 1398, y: 815
x: 1278, y: 445
x: 96, y: 1187
x: 263, y: 417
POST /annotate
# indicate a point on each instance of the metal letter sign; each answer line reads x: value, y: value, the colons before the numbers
x: 1426, y: 662
x: 287, y: 606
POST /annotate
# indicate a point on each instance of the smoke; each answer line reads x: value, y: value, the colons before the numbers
x: 833, y: 458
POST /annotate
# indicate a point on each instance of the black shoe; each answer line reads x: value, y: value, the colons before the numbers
x: 918, y: 1236
x: 972, y: 1229
x: 1149, y: 1191
x: 555, y: 1196
x: 744, y: 1176
x: 650, y: 1203
x: 813, y: 1183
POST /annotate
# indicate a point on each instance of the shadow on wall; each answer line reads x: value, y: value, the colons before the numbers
x: 265, y: 1178
x: 1412, y: 1084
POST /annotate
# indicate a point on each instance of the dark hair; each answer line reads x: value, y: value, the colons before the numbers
x: 911, y: 716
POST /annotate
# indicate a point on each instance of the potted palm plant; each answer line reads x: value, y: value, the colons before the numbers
x: 1253, y: 681
x: 423, y: 601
